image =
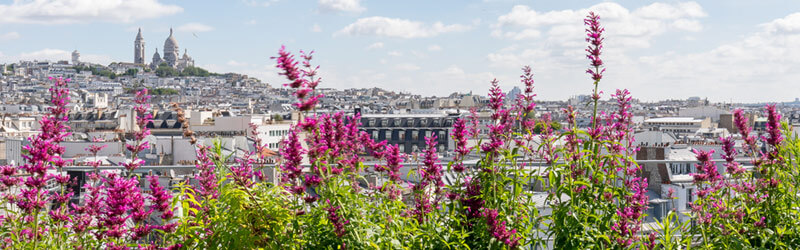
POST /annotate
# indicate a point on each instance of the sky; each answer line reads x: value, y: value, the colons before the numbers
x: 726, y: 51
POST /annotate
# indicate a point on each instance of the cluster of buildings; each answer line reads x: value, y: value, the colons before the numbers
x: 223, y: 107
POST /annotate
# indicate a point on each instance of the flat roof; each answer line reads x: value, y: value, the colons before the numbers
x: 673, y: 119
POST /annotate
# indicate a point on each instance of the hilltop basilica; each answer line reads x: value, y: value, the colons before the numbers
x: 171, y: 53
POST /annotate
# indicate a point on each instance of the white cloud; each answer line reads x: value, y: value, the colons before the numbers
x: 341, y: 5
x: 56, y: 55
x: 195, y: 27
x: 407, y: 67
x: 434, y: 47
x: 400, y: 28
x: 378, y: 45
x: 316, y: 28
x: 767, y: 59
x: 688, y: 25
x: 790, y: 23
x: 629, y: 28
x: 394, y: 53
x: 251, y: 22
x: 9, y: 36
x: 667, y: 11
x: 257, y: 3
x: 756, y: 67
x: 79, y: 11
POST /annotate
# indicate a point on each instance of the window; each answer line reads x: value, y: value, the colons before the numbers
x: 680, y: 168
x: 387, y: 135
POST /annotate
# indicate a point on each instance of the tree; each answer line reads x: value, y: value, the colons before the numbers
x: 165, y: 70
x: 164, y: 91
x: 131, y: 72
x: 195, y: 71
x: 537, y: 129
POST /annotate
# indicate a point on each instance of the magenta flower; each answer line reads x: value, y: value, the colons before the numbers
x: 243, y: 173
x: 393, y: 162
x: 459, y: 135
x: 432, y: 173
x: 337, y: 220
x: 525, y: 100
x: 119, y: 201
x: 473, y: 128
x: 292, y: 152
x: 206, y: 175
x: 160, y: 197
x: 729, y: 154
x: 287, y: 63
x: 143, y: 117
x: 496, y: 96
x: 499, y: 231
x: 43, y: 152
x: 774, y: 131
x: 594, y: 35
x: 472, y: 200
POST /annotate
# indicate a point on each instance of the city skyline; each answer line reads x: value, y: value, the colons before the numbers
x: 658, y: 50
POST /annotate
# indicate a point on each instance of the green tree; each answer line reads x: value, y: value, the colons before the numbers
x: 165, y: 70
x: 131, y: 72
x: 540, y: 124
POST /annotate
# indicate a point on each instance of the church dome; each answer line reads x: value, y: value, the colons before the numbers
x: 170, y: 43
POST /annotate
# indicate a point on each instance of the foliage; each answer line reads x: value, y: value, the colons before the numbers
x: 96, y: 71
x: 195, y: 71
x: 164, y: 70
x: 526, y: 189
x: 165, y: 91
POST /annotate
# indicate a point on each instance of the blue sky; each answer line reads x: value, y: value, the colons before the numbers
x: 741, y: 51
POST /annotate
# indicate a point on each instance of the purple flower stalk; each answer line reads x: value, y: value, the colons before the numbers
x: 498, y: 229
x: 459, y: 135
x: 393, y: 162
x: 292, y: 152
x: 496, y: 96
x: 337, y: 220
x: 143, y: 117
x: 774, y: 131
x: 160, y: 197
x: 117, y: 203
x: 729, y: 154
x: 302, y: 80
x: 430, y: 175
x: 243, y: 173
x: 473, y: 128
x: 594, y: 35
x: 206, y: 176
x: 287, y: 63
x: 525, y: 100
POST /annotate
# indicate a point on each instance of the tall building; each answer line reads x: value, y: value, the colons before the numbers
x: 76, y: 57
x: 171, y: 50
x: 156, y: 60
x: 171, y: 53
x: 138, y: 48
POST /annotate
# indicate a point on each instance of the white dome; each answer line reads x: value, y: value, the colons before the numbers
x: 170, y: 43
